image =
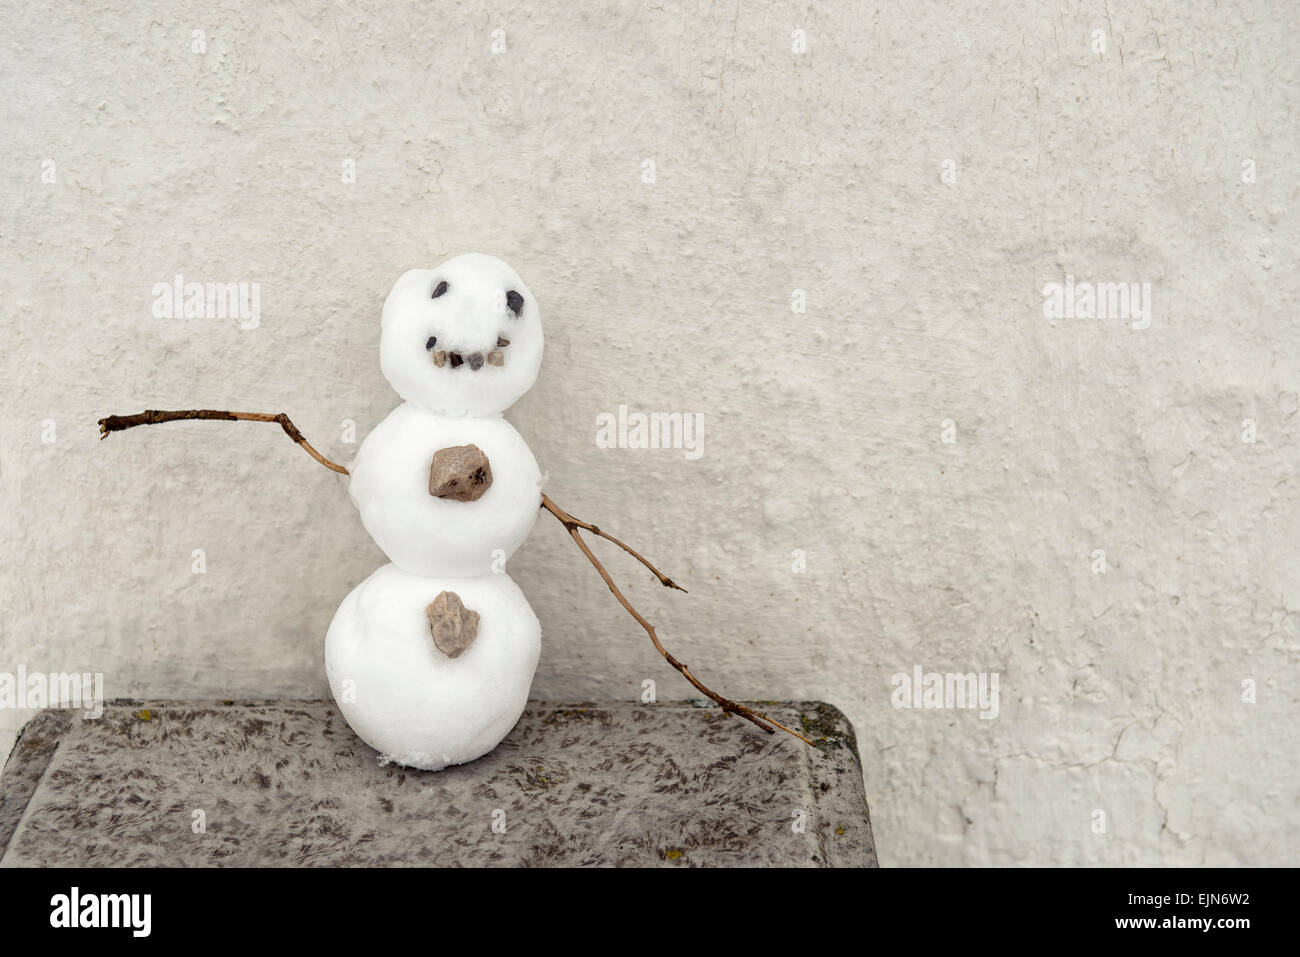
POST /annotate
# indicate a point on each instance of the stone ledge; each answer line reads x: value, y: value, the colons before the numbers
x: 287, y: 783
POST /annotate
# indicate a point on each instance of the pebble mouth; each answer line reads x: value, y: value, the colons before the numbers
x: 475, y: 360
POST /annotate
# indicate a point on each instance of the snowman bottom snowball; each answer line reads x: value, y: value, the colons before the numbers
x: 425, y: 703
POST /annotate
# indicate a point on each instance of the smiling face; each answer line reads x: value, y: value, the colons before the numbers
x: 462, y: 339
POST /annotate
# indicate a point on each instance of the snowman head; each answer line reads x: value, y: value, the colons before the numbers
x: 462, y: 339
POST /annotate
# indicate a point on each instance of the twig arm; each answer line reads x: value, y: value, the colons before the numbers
x: 726, y: 704
x: 570, y: 522
x: 119, y: 423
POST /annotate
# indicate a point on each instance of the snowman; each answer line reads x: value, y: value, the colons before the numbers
x: 430, y: 658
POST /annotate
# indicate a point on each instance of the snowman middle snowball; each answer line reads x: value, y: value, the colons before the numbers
x: 430, y: 658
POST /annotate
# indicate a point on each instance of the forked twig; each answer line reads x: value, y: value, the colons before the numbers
x: 119, y: 423
x: 569, y: 522
x: 726, y: 704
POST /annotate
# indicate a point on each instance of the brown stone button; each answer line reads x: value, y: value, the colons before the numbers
x: 461, y: 473
x: 453, y: 626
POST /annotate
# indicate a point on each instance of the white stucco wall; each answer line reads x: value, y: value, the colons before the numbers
x: 775, y: 171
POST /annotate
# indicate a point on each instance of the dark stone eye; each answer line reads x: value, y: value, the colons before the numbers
x: 514, y: 301
x: 433, y: 341
x: 439, y: 289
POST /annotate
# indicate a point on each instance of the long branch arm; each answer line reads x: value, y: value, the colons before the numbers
x: 726, y: 704
x: 119, y: 423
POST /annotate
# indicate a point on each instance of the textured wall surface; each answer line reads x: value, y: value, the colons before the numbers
x: 949, y: 461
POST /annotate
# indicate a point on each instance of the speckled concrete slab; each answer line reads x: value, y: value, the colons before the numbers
x: 288, y: 783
